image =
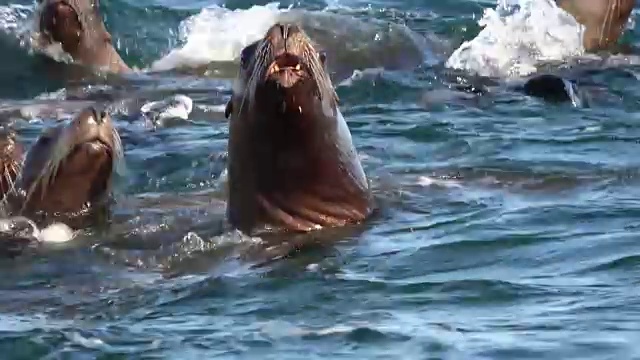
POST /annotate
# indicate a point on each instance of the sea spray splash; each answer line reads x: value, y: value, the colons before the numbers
x: 517, y: 35
x: 214, y: 35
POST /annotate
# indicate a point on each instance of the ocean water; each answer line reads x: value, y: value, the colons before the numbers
x: 509, y: 227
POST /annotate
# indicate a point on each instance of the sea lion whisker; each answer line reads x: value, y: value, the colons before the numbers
x: 259, y: 61
x: 118, y: 151
x: 607, y: 22
x: 251, y: 76
x: 47, y: 175
x: 9, y: 171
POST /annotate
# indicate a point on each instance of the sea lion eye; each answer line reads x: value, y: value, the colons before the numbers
x: 228, y: 109
x: 44, y: 140
x: 246, y: 54
x: 323, y: 56
x: 243, y: 59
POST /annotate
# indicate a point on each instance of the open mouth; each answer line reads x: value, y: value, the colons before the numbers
x: 285, y: 63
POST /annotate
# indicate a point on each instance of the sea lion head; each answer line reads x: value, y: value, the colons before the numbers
x: 11, y: 153
x: 78, y: 26
x: 70, y: 167
x: 284, y: 62
x: 292, y: 163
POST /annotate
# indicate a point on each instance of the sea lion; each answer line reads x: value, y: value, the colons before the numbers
x: 292, y: 163
x: 79, y: 28
x: 68, y: 171
x: 11, y: 154
x: 604, y: 20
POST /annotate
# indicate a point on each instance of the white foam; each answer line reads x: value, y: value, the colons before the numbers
x: 174, y: 107
x: 517, y: 35
x: 358, y: 75
x: 56, y: 233
x: 218, y: 34
x: 22, y: 227
x: 433, y: 181
x: 14, y: 19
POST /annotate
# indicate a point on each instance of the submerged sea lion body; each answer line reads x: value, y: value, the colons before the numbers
x: 292, y: 163
x: 78, y: 26
x: 67, y: 173
x: 604, y: 20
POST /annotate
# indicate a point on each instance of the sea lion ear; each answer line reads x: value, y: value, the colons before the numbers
x: 228, y: 109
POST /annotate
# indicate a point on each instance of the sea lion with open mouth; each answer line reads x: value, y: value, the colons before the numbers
x: 78, y: 26
x: 292, y: 163
x: 604, y: 20
x: 67, y: 173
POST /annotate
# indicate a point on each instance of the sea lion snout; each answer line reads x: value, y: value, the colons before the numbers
x: 290, y: 62
x: 287, y: 69
x: 93, y: 127
x: 282, y: 31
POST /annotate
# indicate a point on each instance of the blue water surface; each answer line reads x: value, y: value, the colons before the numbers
x: 508, y: 228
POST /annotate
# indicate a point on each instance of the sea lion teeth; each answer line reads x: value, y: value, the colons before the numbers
x: 290, y: 170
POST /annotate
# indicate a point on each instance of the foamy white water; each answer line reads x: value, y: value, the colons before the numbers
x: 517, y: 35
x: 13, y: 19
x: 218, y: 34
x: 23, y: 227
x: 174, y: 107
x: 56, y: 233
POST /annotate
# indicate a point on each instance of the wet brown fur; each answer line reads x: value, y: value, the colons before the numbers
x: 68, y: 171
x: 604, y: 20
x: 78, y: 26
x: 292, y: 164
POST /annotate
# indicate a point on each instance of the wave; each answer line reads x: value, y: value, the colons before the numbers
x: 517, y: 35
x: 214, y: 35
